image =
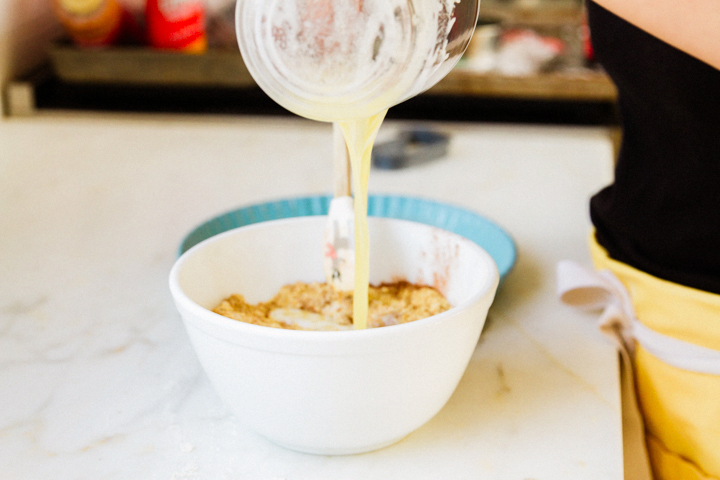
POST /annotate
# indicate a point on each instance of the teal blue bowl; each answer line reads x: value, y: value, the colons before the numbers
x: 464, y: 222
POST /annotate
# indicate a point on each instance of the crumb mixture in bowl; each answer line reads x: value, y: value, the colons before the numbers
x: 318, y: 306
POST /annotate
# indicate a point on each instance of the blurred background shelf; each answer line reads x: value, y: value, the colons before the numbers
x: 146, y: 66
x: 140, y: 79
x: 582, y: 86
x: 225, y: 68
x: 144, y: 80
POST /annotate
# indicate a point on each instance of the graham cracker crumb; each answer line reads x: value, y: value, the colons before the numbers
x: 318, y: 306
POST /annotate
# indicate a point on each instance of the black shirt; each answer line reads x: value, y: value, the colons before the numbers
x: 662, y: 213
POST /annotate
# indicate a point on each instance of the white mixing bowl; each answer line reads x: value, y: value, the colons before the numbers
x: 340, y: 392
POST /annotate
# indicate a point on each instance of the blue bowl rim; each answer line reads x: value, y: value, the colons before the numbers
x: 486, y: 233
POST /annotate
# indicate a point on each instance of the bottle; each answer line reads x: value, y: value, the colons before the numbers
x: 177, y: 25
x: 95, y: 23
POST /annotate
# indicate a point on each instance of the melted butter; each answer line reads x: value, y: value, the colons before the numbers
x: 360, y: 136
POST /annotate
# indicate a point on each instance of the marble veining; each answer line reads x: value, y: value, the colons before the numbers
x: 99, y: 381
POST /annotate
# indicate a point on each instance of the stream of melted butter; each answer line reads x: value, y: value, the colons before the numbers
x: 360, y: 136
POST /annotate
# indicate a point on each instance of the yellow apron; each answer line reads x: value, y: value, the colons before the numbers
x: 681, y: 408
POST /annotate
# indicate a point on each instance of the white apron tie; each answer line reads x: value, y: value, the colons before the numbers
x: 602, y: 290
x: 595, y: 290
x: 590, y: 290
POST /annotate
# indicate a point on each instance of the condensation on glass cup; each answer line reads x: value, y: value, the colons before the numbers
x: 333, y: 60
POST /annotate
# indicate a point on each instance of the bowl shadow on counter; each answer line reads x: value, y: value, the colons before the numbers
x: 511, y: 382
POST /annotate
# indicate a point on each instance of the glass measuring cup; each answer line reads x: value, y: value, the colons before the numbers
x: 334, y: 60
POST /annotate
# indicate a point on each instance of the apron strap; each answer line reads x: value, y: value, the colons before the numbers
x: 590, y: 290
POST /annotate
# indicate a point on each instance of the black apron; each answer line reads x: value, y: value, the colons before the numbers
x: 662, y: 213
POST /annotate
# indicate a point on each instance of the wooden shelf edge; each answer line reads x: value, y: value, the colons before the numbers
x: 593, y: 86
x: 145, y: 66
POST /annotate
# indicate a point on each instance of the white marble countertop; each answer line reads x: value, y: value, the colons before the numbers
x: 98, y: 379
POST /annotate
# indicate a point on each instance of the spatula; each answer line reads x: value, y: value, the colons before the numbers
x: 339, y: 239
